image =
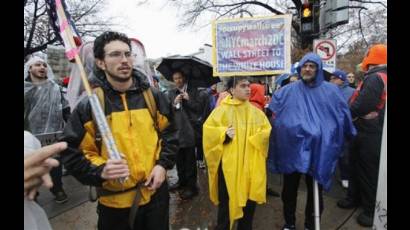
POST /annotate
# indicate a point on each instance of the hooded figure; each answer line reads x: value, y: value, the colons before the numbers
x: 140, y: 60
x: 367, y: 106
x: 75, y: 89
x: 343, y: 83
x: 310, y: 125
x: 43, y: 100
x: 311, y: 122
x: 236, y: 165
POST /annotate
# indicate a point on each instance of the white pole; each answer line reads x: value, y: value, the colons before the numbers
x: 380, y: 211
x: 316, y: 200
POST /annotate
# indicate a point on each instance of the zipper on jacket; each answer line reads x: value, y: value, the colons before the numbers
x: 124, y: 102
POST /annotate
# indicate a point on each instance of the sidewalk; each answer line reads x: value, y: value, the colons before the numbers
x: 199, y: 213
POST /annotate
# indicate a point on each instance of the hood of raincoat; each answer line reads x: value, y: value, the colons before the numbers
x: 312, y: 57
x: 310, y: 127
x: 377, y: 55
x: 33, y: 60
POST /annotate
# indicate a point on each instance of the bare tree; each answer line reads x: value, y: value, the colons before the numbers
x: 367, y: 25
x: 367, y: 22
x: 38, y: 32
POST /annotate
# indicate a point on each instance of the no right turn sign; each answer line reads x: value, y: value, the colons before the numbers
x: 326, y: 49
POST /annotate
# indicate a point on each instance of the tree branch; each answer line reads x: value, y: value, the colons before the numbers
x: 381, y: 3
x: 361, y: 30
x: 87, y: 11
x: 250, y: 3
x: 298, y: 4
x: 33, y: 26
x: 358, y: 7
x: 28, y: 51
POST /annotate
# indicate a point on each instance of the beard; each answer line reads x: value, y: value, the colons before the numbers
x: 118, y: 78
x: 38, y: 77
x: 308, y: 79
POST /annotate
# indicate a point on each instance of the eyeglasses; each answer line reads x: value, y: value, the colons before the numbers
x: 118, y: 55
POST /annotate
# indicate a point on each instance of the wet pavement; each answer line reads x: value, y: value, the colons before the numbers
x: 198, y: 213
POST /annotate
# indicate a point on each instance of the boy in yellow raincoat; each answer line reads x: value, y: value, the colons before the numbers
x: 235, y: 140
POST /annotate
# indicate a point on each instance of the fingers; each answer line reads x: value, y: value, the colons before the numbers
x: 156, y: 178
x: 47, y: 182
x: 33, y: 173
x: 32, y: 183
x: 155, y: 183
x: 115, y: 169
x: 51, y: 163
x: 41, y: 154
x: 149, y: 182
x: 230, y: 132
x: 32, y: 194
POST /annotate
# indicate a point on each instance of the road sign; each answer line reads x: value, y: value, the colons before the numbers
x: 333, y: 14
x: 326, y: 49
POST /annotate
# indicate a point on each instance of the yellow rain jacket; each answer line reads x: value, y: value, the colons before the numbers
x: 243, y: 158
x: 134, y: 134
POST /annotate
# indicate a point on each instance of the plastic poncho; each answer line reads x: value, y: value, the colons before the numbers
x: 43, y: 102
x: 140, y: 59
x: 34, y: 216
x: 243, y: 159
x: 310, y: 126
x: 75, y: 89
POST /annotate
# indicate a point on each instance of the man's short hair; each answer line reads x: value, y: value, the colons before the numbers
x: 106, y: 38
x: 233, y: 81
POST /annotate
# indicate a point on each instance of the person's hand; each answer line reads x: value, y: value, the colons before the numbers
x: 185, y: 96
x: 37, y: 165
x: 230, y: 132
x: 156, y: 178
x: 178, y: 99
x: 115, y: 169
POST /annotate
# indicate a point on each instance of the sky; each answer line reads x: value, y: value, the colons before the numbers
x: 156, y: 27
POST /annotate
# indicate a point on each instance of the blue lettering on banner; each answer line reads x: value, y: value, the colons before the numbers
x: 250, y: 45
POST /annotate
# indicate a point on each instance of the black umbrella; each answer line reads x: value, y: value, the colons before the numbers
x: 197, y: 71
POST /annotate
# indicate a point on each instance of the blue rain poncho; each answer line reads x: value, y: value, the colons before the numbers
x: 310, y: 126
x: 43, y: 102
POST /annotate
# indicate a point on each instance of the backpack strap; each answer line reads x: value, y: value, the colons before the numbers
x: 152, y: 107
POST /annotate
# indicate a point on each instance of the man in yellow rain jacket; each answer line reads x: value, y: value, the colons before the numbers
x: 235, y: 139
x: 145, y: 157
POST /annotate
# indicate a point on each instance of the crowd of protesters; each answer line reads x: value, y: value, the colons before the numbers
x: 306, y: 128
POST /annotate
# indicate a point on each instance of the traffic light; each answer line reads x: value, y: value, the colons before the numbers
x: 309, y: 18
x: 306, y: 18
